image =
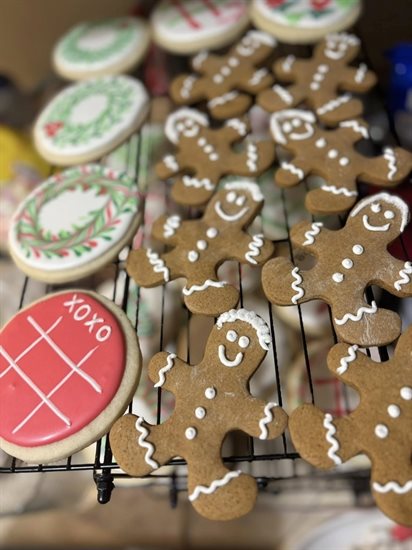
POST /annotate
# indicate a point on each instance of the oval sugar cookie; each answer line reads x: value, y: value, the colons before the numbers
x: 186, y: 27
x: 304, y: 21
x: 74, y: 223
x: 56, y: 397
x: 88, y: 119
x: 97, y: 48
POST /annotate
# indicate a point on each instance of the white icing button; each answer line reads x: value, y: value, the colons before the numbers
x: 244, y: 342
x: 201, y: 141
x: 218, y: 78
x: 321, y: 142
x: 337, y: 277
x: 191, y: 433
x: 210, y: 393
x: 193, y: 256
x: 344, y: 161
x: 212, y: 232
x: 347, y: 263
x: 323, y: 68
x: 240, y: 201
x: 318, y: 77
x: 406, y: 393
x: 357, y: 249
x: 394, y: 411
x: 208, y: 149
x: 200, y: 412
x: 314, y: 86
x: 225, y: 70
x: 201, y: 245
x: 389, y: 215
x: 381, y: 431
x: 214, y: 156
x: 333, y: 153
x: 231, y: 335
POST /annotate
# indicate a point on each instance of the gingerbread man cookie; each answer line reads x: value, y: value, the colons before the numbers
x: 200, y: 246
x: 212, y: 399
x: 318, y: 81
x: 380, y: 426
x: 349, y: 260
x: 332, y: 155
x: 204, y: 155
x: 227, y: 82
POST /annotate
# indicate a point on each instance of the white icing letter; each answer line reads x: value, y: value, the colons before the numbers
x: 103, y: 333
x: 71, y: 303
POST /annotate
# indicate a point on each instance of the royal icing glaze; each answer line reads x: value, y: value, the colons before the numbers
x: 40, y: 371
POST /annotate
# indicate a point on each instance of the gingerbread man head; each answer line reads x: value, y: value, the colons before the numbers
x: 237, y: 203
x: 292, y: 125
x: 341, y: 47
x: 185, y: 122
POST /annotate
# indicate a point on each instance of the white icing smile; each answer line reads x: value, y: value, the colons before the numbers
x: 371, y: 227
x: 229, y: 217
x: 227, y: 362
x: 297, y: 136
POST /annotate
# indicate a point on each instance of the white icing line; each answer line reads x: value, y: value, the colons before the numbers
x: 158, y: 264
x: 258, y: 76
x: 229, y: 217
x: 333, y: 104
x: 283, y: 93
x: 293, y: 169
x: 237, y: 125
x: 266, y: 419
x: 199, y: 59
x: 250, y: 317
x: 198, y: 288
x: 356, y: 127
x: 222, y: 99
x: 263, y: 38
x: 171, y: 224
x: 252, y: 157
x: 334, y: 445
x: 348, y: 359
x: 171, y: 163
x: 254, y: 248
x: 311, y: 233
x: 170, y: 363
x: 295, y: 285
x: 287, y: 63
x: 404, y: 276
x: 227, y: 362
x: 202, y: 489
x: 359, y: 314
x: 361, y: 73
x: 339, y: 190
x: 190, y: 181
x: 187, y: 86
x: 144, y: 432
x: 390, y: 157
x: 393, y: 486
x: 367, y: 225
x: 397, y: 202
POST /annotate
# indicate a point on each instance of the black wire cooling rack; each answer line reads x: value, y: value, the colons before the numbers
x: 284, y: 470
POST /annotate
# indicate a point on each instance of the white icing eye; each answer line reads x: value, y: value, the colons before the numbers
x: 191, y: 433
x: 287, y: 127
x: 231, y: 196
x: 231, y: 335
x: 244, y: 342
x: 375, y: 207
x: 240, y: 201
x: 296, y: 122
x: 406, y: 393
x: 180, y: 126
x: 394, y: 411
x: 381, y: 431
x: 210, y: 393
x: 389, y: 215
x: 357, y: 249
x: 189, y: 123
x: 212, y: 232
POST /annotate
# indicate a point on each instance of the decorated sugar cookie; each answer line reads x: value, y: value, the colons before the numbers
x: 217, y: 403
x: 304, y: 21
x: 199, y: 247
x: 332, y: 155
x: 380, y: 426
x: 88, y: 119
x: 101, y: 48
x: 187, y: 26
x: 56, y: 397
x: 348, y: 261
x: 205, y: 154
x: 227, y: 82
x: 323, y: 82
x: 74, y: 223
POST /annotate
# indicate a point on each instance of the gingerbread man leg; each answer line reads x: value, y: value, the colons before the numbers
x: 284, y: 284
x: 335, y: 437
x: 137, y: 445
x: 209, y: 296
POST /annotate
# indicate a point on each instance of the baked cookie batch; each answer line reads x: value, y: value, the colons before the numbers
x: 75, y: 343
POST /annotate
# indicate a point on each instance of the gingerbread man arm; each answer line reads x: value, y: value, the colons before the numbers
x: 255, y: 80
x: 351, y: 365
x: 357, y: 79
x: 206, y: 63
x: 169, y: 166
x: 293, y: 171
x: 322, y: 440
x: 253, y: 161
x: 352, y: 130
x: 255, y: 250
x: 389, y: 169
x: 166, y: 228
x: 255, y: 46
x: 166, y: 370
x: 309, y: 235
x: 235, y: 129
x: 263, y: 420
x: 396, y: 276
x: 187, y: 89
x: 287, y: 68
x: 279, y: 97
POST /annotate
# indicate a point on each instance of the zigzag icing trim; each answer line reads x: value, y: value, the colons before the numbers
x: 266, y: 419
x: 258, y: 76
x: 293, y: 169
x: 254, y: 248
x: 252, y: 157
x: 361, y: 73
x: 295, y: 285
x: 202, y: 489
x: 334, y: 444
x: 311, y: 233
x: 333, y: 104
x: 261, y: 328
x: 392, y: 486
x: 171, y: 163
x: 170, y: 363
x: 404, y: 274
x: 390, y: 157
x: 348, y: 359
x: 158, y: 264
x: 222, y: 99
x: 284, y: 95
x: 187, y: 86
x: 144, y: 432
x: 359, y: 314
x: 190, y: 181
x: 198, y: 288
x: 171, y: 224
x: 339, y: 190
x: 356, y: 127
